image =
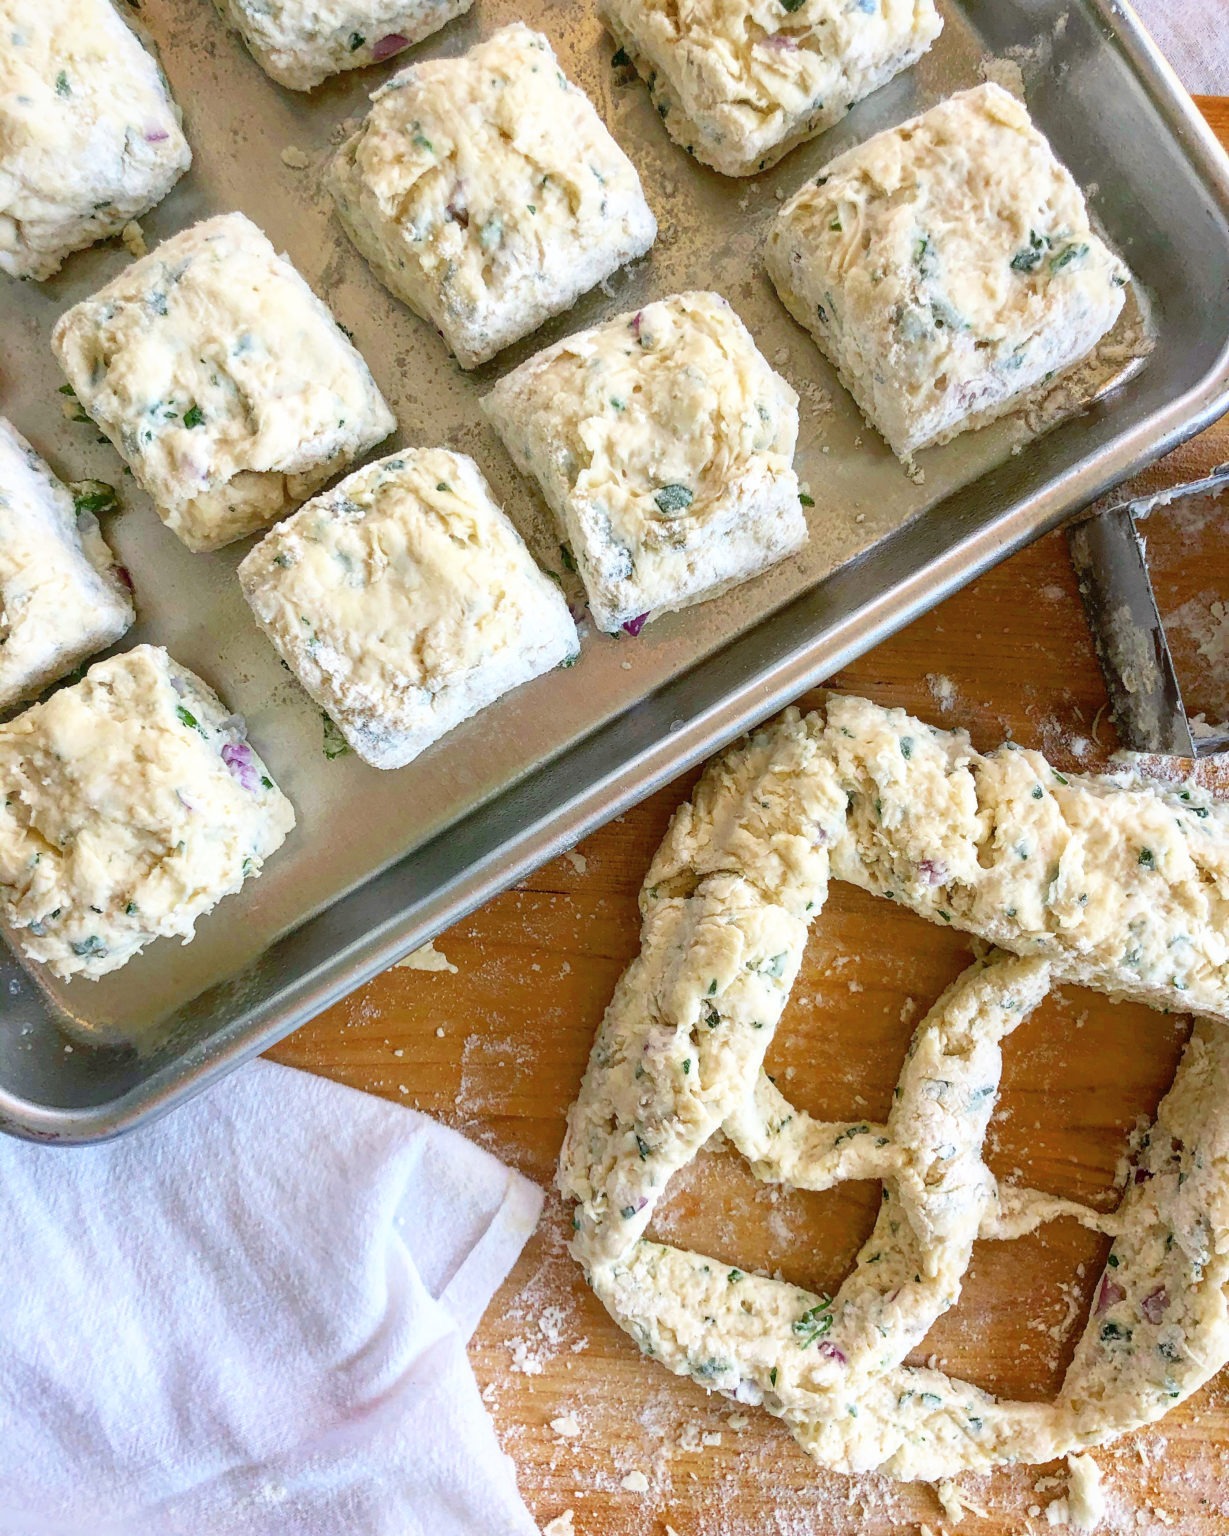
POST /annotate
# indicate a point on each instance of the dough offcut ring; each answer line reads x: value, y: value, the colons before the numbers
x: 726, y: 906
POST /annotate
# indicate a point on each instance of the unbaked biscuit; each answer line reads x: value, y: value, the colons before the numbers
x: 221, y: 379
x: 487, y: 194
x: 663, y: 443
x: 946, y: 269
x: 405, y: 601
x: 299, y: 44
x: 89, y: 135
x: 61, y: 594
x: 130, y: 804
x: 740, y: 82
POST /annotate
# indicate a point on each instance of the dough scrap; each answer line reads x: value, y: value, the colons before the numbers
x: 871, y: 795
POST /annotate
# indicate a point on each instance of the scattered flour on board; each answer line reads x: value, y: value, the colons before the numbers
x: 635, y: 1482
x: 561, y: 1525
x: 426, y: 958
x: 577, y: 860
x: 294, y: 158
x: 1083, y: 1506
x: 942, y: 690
x: 956, y: 1502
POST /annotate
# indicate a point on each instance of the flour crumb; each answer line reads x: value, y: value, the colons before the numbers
x: 942, y: 690
x: 566, y: 1427
x: 561, y: 1525
x: 133, y: 237
x: 1083, y: 1507
x: 577, y: 860
x: 426, y: 958
x: 1006, y: 74
x: 294, y: 158
x: 635, y: 1482
x: 956, y: 1502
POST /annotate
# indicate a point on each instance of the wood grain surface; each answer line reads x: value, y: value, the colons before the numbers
x: 498, y: 1047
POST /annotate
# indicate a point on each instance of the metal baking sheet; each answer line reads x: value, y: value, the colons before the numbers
x: 381, y: 861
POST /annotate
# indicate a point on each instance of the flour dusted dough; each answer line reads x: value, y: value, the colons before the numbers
x: 874, y: 796
x: 739, y: 84
x: 221, y: 379
x: 61, y: 597
x: 299, y: 43
x: 130, y: 804
x: 405, y: 601
x: 89, y: 135
x: 1120, y: 882
x: 946, y: 268
x: 487, y: 193
x: 663, y: 443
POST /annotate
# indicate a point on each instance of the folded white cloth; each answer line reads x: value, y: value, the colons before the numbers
x: 249, y: 1319
x: 1194, y: 36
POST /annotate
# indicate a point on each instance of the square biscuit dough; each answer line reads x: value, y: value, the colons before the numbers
x: 405, y: 601
x: 739, y: 83
x: 61, y: 594
x: 487, y: 194
x: 299, y: 44
x: 663, y: 443
x: 89, y: 135
x: 946, y: 269
x: 221, y: 379
x: 130, y: 804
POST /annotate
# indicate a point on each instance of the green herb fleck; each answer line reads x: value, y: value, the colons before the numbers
x: 356, y: 41
x: 194, y: 416
x: 62, y: 87
x: 187, y: 718
x: 1147, y: 858
x: 673, y: 499
x: 1030, y: 256
x: 1066, y: 256
x: 93, y: 496
x: 334, y: 742
x: 814, y: 1323
x: 807, y: 501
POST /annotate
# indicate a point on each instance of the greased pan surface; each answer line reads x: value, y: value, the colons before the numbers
x: 380, y: 861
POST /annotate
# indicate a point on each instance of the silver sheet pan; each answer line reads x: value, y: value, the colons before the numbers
x: 380, y: 862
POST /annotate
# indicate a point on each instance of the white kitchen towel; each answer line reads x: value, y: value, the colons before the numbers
x: 249, y: 1319
x: 1194, y: 36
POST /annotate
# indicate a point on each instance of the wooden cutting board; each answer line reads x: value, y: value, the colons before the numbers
x: 497, y: 1049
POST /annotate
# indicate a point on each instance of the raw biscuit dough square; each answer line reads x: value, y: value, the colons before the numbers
x: 299, y: 44
x: 89, y: 135
x: 739, y: 83
x: 487, y: 194
x: 61, y: 594
x: 663, y: 443
x: 405, y: 601
x: 221, y: 379
x: 130, y: 804
x: 946, y: 268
